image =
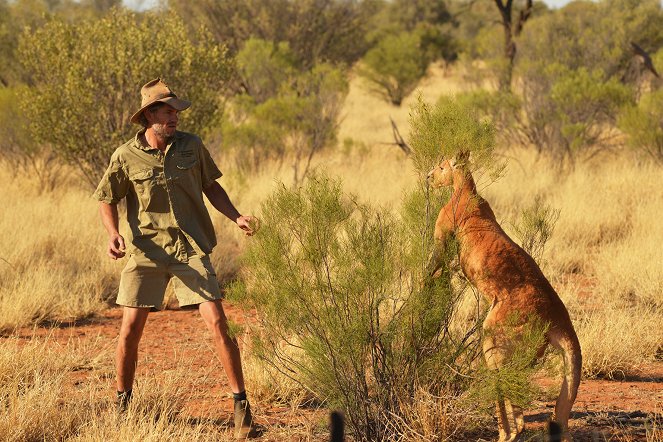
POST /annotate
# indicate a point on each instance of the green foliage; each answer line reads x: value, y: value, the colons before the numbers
x: 535, y: 227
x: 566, y: 111
x: 14, y: 137
x: 500, y: 108
x: 642, y: 124
x: 316, y: 30
x: 299, y: 120
x: 520, y: 339
x: 264, y: 67
x: 430, y: 20
x: 447, y: 129
x: 19, y: 149
x: 395, y: 65
x: 86, y: 80
x: 341, y: 282
x: 593, y: 35
x: 14, y: 16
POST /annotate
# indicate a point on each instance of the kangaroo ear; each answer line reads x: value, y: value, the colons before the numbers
x: 463, y: 156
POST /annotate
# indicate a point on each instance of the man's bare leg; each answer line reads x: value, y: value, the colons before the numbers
x: 226, y: 347
x: 126, y: 355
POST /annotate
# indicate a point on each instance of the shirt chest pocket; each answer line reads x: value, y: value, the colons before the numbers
x: 186, y: 171
x: 186, y: 164
x: 144, y: 182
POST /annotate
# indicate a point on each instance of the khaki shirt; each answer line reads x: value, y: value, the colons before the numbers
x: 164, y: 195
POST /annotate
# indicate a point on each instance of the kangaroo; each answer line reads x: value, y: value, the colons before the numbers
x: 512, y: 283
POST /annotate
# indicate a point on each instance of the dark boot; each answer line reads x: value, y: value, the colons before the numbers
x: 243, y: 420
x: 122, y: 401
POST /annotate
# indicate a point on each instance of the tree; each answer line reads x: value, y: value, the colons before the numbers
x: 85, y: 80
x: 316, y: 30
x: 593, y: 35
x: 298, y: 120
x: 430, y: 20
x: 512, y: 29
x: 264, y: 67
x: 395, y: 65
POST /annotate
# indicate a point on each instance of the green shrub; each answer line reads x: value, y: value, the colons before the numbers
x: 450, y: 127
x: 86, y: 80
x: 566, y: 112
x: 19, y: 149
x: 299, y: 121
x: 431, y: 20
x: 535, y: 227
x: 264, y: 67
x: 593, y: 35
x: 642, y: 124
x: 395, y: 65
x: 340, y: 281
x: 330, y: 31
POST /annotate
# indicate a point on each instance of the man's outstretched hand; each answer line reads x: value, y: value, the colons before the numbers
x: 249, y: 224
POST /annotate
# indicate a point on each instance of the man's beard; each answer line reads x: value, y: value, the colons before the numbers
x: 161, y: 131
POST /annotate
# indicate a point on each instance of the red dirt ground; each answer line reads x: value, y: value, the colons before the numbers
x: 604, y: 410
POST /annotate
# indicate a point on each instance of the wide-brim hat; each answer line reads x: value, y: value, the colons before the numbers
x: 157, y: 91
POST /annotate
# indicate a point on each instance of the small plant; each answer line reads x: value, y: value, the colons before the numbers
x: 535, y: 228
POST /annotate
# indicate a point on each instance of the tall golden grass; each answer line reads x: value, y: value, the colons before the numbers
x: 604, y: 259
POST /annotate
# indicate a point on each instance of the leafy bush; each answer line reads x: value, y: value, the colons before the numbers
x: 330, y: 31
x: 642, y: 125
x: 430, y: 20
x: 593, y: 35
x: 559, y: 111
x: 450, y: 127
x: 86, y: 79
x: 299, y: 120
x: 264, y: 67
x: 17, y: 147
x: 568, y: 112
x: 395, y: 65
x: 341, y: 281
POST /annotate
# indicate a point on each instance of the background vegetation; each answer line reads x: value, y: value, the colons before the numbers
x: 302, y: 92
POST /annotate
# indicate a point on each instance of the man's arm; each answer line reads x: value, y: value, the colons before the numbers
x: 110, y: 220
x: 221, y: 202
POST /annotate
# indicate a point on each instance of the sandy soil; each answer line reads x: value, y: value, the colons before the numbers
x: 604, y: 410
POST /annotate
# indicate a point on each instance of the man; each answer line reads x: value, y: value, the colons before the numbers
x: 163, y: 174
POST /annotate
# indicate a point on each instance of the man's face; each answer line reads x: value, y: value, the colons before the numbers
x: 163, y: 121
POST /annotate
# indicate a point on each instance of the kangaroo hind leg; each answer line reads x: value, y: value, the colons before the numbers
x: 510, y: 421
x: 570, y: 381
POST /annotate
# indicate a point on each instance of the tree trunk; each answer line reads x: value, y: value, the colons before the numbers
x: 511, y: 31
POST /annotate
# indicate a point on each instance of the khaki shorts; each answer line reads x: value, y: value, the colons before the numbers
x: 143, y: 282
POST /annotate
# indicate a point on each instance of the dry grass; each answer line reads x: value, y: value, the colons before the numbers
x: 52, y: 266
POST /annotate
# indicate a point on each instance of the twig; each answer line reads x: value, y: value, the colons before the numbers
x: 8, y: 263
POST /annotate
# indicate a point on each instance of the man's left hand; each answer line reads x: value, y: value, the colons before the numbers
x: 249, y: 224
